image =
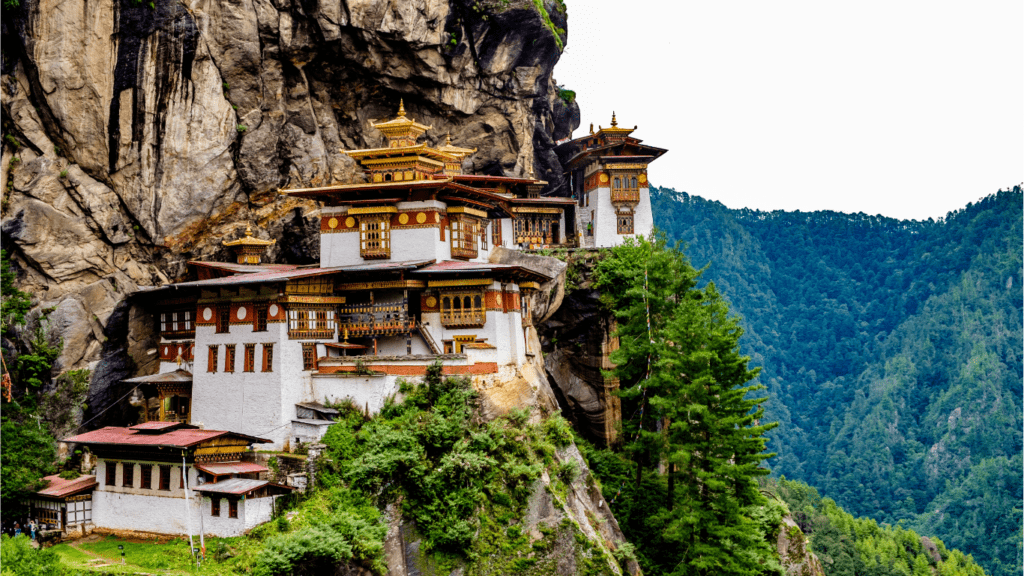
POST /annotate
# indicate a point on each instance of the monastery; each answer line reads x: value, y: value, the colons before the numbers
x: 250, y: 352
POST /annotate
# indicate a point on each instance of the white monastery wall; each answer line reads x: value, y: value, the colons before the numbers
x: 256, y: 511
x: 296, y: 386
x: 643, y: 220
x: 507, y: 233
x: 364, y: 391
x: 239, y: 401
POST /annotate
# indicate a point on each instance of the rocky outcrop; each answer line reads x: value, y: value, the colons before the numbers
x: 577, y: 339
x: 139, y: 135
x: 795, y: 557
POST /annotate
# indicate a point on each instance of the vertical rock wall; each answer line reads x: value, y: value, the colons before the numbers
x: 139, y: 135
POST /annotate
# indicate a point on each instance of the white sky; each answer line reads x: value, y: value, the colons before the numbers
x: 908, y: 109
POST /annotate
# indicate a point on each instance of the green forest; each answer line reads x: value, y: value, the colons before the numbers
x: 892, y: 355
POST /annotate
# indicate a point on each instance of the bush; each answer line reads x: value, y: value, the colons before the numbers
x: 18, y: 558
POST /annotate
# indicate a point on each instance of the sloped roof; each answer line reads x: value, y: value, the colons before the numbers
x: 179, y: 376
x: 60, y: 488
x: 221, y: 468
x: 177, y: 438
x: 232, y: 486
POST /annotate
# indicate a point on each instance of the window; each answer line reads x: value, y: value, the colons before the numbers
x: 618, y: 183
x: 308, y: 356
x: 215, y: 506
x: 496, y: 232
x: 250, y: 358
x: 111, y: 468
x: 229, y: 357
x: 259, y: 322
x: 625, y: 223
x: 633, y: 183
x: 128, y: 475
x: 223, y: 318
x: 177, y: 322
x: 483, y: 235
x: 374, y: 236
x: 145, y: 476
x: 232, y: 508
x: 462, y: 309
x: 464, y: 235
x: 311, y: 322
x: 268, y: 357
x: 165, y: 478
x: 211, y: 360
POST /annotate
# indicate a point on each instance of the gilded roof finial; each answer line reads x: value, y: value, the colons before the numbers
x: 248, y: 229
x: 401, y: 107
x: 448, y: 139
x: 614, y: 123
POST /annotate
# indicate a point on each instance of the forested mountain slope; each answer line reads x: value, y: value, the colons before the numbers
x: 892, y: 351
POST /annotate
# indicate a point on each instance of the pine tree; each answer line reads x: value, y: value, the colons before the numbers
x: 699, y: 389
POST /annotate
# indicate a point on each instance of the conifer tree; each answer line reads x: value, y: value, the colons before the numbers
x: 681, y: 363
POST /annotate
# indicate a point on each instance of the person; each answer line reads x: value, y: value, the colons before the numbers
x: 17, y: 529
x: 32, y: 528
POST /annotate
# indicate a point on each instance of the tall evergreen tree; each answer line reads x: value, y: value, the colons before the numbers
x: 679, y: 357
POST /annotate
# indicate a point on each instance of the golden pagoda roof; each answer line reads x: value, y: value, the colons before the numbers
x: 248, y: 240
x: 418, y: 149
x: 614, y: 129
x: 401, y: 126
x: 453, y: 150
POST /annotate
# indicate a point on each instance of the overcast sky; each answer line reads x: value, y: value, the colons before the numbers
x: 906, y: 109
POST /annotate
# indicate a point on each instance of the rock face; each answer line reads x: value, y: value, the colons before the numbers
x: 139, y: 135
x: 796, y: 559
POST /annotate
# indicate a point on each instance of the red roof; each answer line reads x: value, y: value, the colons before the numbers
x: 182, y: 438
x: 155, y: 425
x: 60, y: 488
x: 221, y: 468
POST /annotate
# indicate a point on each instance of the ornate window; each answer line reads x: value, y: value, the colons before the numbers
x: 496, y: 232
x: 375, y: 236
x: 624, y: 222
x: 229, y: 357
x: 309, y: 356
x: 250, y: 358
x: 177, y: 323
x: 315, y: 285
x: 463, y: 308
x: 268, y: 357
x: 464, y: 237
x: 223, y: 318
x: 259, y: 320
x: 311, y: 322
x: 211, y: 359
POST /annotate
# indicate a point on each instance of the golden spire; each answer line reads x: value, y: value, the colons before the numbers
x: 614, y: 123
x: 448, y: 139
x: 401, y: 107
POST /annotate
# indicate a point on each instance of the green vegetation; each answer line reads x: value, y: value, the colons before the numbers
x: 555, y: 30
x: 567, y: 96
x: 241, y: 128
x: 681, y: 369
x: 848, y: 546
x: 13, y: 302
x: 892, y: 351
x: 18, y: 558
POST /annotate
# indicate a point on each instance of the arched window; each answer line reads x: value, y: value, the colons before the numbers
x: 634, y: 182
x: 617, y: 185
x: 477, y: 303
x: 387, y: 177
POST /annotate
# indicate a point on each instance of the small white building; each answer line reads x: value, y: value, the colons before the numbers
x: 64, y: 504
x: 173, y: 478
x: 607, y: 173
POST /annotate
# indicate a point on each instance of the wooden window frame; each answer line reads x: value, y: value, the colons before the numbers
x: 145, y: 476
x: 229, y: 358
x: 309, y: 356
x: 496, y: 232
x: 375, y: 236
x: 458, y: 316
x: 268, y: 357
x: 127, y: 475
x: 249, y: 362
x: 223, y: 319
x: 110, y: 473
x: 305, y: 322
x: 178, y: 323
x: 232, y: 507
x: 464, y: 232
x: 215, y: 506
x: 259, y: 318
x: 211, y: 358
x: 164, y: 479
x: 625, y: 222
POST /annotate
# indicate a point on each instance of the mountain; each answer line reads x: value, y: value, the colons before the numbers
x: 893, y: 353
